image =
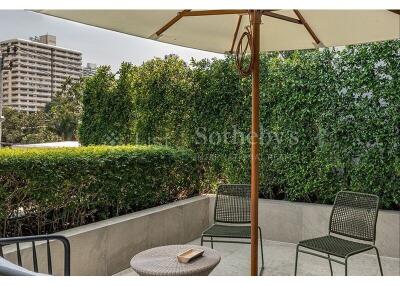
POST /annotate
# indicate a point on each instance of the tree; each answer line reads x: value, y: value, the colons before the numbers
x: 12, y: 131
x: 26, y: 128
x: 66, y: 108
x: 59, y: 120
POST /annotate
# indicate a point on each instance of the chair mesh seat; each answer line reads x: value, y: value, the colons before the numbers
x: 234, y: 231
x: 334, y: 245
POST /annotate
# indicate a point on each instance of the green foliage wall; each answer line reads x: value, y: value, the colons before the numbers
x: 330, y: 119
x: 161, y: 103
x: 330, y: 122
x: 220, y: 120
x: 48, y: 190
x: 108, y: 107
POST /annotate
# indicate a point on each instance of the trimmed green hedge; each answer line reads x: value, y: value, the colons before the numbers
x: 48, y: 190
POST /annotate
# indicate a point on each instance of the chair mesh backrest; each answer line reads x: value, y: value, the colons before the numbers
x: 232, y: 204
x: 354, y: 215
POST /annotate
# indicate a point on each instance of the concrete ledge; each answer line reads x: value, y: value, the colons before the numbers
x: 106, y: 247
x: 291, y: 222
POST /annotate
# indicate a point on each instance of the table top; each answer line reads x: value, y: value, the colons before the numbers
x: 163, y: 261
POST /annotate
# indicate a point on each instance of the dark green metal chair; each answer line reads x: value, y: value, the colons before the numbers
x: 353, y: 215
x: 231, y: 217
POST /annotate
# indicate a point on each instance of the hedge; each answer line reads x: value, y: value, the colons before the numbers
x: 48, y: 190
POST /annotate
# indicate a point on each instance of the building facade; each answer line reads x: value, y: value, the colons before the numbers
x: 89, y: 70
x: 35, y: 70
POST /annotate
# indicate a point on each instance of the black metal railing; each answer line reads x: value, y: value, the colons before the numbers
x: 24, y: 239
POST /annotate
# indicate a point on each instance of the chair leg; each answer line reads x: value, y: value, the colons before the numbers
x: 212, y: 243
x: 262, y: 252
x: 330, y: 264
x: 379, y: 260
x: 201, y: 241
x: 297, y: 257
x: 345, y: 266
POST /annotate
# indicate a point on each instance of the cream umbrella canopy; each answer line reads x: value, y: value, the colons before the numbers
x: 280, y: 30
x: 243, y: 32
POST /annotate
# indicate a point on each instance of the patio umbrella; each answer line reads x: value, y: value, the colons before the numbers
x: 244, y: 32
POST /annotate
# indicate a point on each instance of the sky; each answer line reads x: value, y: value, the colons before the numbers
x: 97, y: 45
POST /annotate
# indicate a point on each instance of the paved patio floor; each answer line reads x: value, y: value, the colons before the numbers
x: 279, y: 260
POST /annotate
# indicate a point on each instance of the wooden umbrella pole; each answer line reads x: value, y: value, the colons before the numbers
x: 255, y: 139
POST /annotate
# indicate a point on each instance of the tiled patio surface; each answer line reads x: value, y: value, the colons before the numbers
x: 279, y: 260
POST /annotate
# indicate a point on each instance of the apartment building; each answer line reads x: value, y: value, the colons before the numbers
x: 35, y: 70
x: 89, y: 70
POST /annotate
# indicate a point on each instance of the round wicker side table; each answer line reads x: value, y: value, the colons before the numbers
x: 162, y: 261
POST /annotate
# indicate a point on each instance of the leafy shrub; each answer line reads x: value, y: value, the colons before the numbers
x: 47, y: 190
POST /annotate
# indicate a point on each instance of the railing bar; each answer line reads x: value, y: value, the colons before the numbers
x: 33, y: 239
x: 19, y: 255
x: 49, y: 264
x: 67, y: 256
x: 34, y: 257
